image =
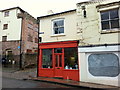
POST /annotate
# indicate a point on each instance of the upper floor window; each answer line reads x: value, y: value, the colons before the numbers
x: 5, y: 26
x: 110, y: 19
x: 36, y: 28
x: 6, y: 14
x: 4, y: 38
x: 30, y: 26
x: 58, y: 26
x: 36, y: 40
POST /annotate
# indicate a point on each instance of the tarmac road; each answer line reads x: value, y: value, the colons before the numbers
x: 15, y: 83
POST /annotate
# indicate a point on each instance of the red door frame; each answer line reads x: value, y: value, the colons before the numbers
x: 58, y: 70
x: 50, y: 72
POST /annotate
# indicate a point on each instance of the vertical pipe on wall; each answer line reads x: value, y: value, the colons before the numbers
x: 21, y: 15
x: 20, y: 62
x: 38, y: 21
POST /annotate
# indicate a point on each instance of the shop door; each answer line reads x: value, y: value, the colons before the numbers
x: 58, y: 65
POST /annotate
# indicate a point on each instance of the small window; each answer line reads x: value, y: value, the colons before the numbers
x: 4, y: 38
x: 36, y: 40
x: 30, y: 26
x: 30, y: 38
x: 106, y: 65
x: 6, y: 14
x: 110, y: 19
x: 5, y: 26
x: 58, y: 26
x: 29, y: 51
x: 36, y: 28
x: 47, y: 58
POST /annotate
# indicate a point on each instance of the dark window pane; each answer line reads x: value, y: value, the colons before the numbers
x: 58, y: 50
x: 55, y: 24
x: 61, y: 30
x: 114, y: 14
x: 60, y: 60
x: 56, y: 31
x: 5, y: 26
x: 105, y: 25
x: 56, y: 60
x: 4, y: 38
x: 6, y: 14
x: 114, y: 24
x: 71, y: 58
x: 104, y: 65
x: 47, y: 58
x: 105, y: 15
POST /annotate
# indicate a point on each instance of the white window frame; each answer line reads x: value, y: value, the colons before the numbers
x: 114, y: 29
x: 60, y: 26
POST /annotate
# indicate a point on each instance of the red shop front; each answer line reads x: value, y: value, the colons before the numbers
x: 59, y: 59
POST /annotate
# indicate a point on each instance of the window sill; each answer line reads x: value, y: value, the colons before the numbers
x: 110, y: 31
x: 58, y: 35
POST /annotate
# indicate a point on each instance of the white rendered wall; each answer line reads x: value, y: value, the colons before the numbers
x: 70, y: 32
x: 14, y: 25
x: 84, y: 73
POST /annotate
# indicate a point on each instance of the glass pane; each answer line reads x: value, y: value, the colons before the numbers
x: 61, y: 30
x: 105, y: 15
x: 105, y: 25
x: 55, y: 24
x: 71, y: 58
x: 60, y: 60
x: 114, y: 24
x: 56, y: 61
x: 114, y: 14
x: 61, y: 23
x: 58, y: 50
x: 56, y: 31
x: 47, y: 58
x: 103, y: 64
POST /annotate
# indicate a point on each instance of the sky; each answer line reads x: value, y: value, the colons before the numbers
x: 38, y: 8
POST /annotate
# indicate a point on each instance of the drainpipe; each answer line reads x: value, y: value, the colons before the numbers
x: 20, y: 62
x: 21, y: 15
x: 38, y: 21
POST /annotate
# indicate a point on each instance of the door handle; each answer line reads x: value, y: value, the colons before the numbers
x: 58, y: 68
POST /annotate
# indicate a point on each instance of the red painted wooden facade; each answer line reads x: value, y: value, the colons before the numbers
x: 57, y: 70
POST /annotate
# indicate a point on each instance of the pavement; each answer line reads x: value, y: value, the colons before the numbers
x: 31, y: 74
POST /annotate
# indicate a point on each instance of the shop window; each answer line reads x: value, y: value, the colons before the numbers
x: 71, y: 58
x: 106, y: 64
x: 58, y: 26
x: 110, y: 19
x: 47, y: 58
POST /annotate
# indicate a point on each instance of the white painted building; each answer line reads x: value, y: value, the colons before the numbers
x: 18, y: 36
x: 99, y: 47
x: 10, y: 25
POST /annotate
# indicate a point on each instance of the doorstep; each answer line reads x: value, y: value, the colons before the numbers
x: 76, y: 83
